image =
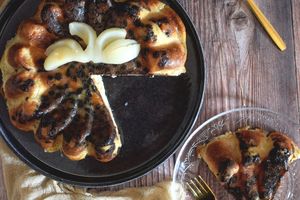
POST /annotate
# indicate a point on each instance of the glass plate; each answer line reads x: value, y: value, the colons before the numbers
x: 188, y: 165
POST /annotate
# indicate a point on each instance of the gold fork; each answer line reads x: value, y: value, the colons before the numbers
x: 200, y: 190
x: 267, y: 25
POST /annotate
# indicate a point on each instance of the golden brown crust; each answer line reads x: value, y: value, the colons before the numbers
x: 164, y: 58
x: 35, y: 34
x: 29, y: 57
x: 158, y: 29
x: 222, y: 158
x: 249, y: 162
x: 282, y: 141
x: 22, y: 116
x: 63, y: 107
x: 19, y: 85
x: 252, y: 137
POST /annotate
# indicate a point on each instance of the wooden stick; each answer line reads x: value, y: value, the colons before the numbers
x: 267, y: 25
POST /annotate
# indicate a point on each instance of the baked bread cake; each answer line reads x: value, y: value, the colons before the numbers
x: 250, y: 162
x: 67, y: 108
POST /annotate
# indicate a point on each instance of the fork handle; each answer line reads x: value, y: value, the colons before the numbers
x: 267, y: 25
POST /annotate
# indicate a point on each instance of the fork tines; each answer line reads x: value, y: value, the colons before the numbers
x: 200, y: 189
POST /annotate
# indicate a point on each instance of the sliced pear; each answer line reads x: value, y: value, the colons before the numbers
x: 110, y: 47
x: 59, y: 57
x: 104, y: 39
x: 65, y: 43
x: 121, y: 51
x: 86, y: 33
x: 110, y: 35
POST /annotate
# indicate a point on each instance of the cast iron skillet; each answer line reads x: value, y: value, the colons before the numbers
x: 155, y: 115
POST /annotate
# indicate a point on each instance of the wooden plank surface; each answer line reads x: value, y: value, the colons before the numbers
x: 296, y: 28
x: 244, y: 67
x: 2, y: 187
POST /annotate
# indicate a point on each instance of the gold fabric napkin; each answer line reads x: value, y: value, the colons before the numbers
x: 23, y: 183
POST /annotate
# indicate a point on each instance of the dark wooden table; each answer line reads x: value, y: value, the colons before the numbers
x: 244, y: 67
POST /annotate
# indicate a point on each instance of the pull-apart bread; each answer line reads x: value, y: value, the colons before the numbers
x: 250, y: 162
x: 67, y: 108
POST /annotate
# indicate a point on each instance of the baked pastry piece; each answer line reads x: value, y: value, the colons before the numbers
x: 250, y: 162
x: 67, y: 108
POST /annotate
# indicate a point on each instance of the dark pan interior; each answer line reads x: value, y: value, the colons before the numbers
x: 154, y: 116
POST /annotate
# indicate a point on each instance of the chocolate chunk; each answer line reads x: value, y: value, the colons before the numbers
x: 26, y: 85
x: 163, y: 61
x: 52, y: 16
x: 156, y: 54
x: 58, y: 76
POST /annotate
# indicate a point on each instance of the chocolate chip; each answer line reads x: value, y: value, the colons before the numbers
x: 57, y: 95
x: 150, y: 36
x: 156, y: 54
x: 130, y: 34
x: 145, y: 69
x: 138, y: 23
x: 168, y: 33
x: 163, y: 61
x: 24, y: 86
x: 138, y: 64
x: 161, y: 21
x: 98, y: 107
x: 58, y: 76
x: 45, y: 98
x: 51, y: 93
x: 68, y: 73
x: 145, y: 51
x: 74, y: 78
x: 50, y: 77
x: 77, y: 118
x: 79, y: 91
x: 131, y: 10
x: 80, y: 73
x: 80, y: 103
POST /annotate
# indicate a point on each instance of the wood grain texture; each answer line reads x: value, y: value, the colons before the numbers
x: 2, y: 186
x: 244, y: 67
x: 296, y: 28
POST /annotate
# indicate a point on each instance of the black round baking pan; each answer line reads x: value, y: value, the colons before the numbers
x: 155, y: 115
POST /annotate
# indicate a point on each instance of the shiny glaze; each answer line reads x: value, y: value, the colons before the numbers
x: 259, y: 178
x: 70, y: 113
